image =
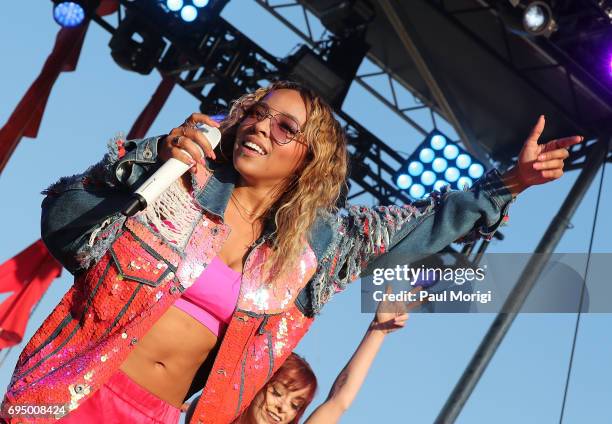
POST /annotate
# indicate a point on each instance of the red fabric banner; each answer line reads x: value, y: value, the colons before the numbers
x: 28, y: 275
x: 25, y: 119
x: 27, y: 116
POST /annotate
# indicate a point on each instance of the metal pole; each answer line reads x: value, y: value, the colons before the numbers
x: 500, y: 326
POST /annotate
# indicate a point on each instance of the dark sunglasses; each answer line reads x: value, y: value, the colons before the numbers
x: 283, y: 128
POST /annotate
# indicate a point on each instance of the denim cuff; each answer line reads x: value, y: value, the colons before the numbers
x: 136, y: 157
x: 493, y: 187
x: 491, y: 183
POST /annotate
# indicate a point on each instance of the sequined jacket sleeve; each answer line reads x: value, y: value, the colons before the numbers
x: 367, y: 238
x: 76, y: 207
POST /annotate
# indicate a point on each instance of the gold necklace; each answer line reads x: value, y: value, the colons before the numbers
x: 250, y: 222
x: 243, y: 208
x: 242, y: 216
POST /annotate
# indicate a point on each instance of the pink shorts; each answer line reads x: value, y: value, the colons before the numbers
x: 121, y: 400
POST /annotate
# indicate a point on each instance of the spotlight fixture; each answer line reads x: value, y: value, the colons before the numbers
x: 330, y: 71
x: 69, y: 14
x: 136, y: 46
x: 436, y: 163
x: 538, y: 19
x: 307, y: 67
x: 187, y: 10
x: 189, y: 13
x: 343, y: 17
x: 174, y: 5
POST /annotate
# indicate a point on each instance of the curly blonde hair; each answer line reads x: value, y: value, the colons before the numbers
x: 318, y: 183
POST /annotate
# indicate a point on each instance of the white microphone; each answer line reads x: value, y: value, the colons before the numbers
x: 169, y: 172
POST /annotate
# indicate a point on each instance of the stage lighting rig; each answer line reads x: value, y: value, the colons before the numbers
x: 187, y: 10
x: 331, y: 70
x: 347, y: 16
x: 192, y: 11
x: 70, y: 14
x: 332, y: 66
x: 135, y: 45
x: 307, y: 67
x: 438, y: 162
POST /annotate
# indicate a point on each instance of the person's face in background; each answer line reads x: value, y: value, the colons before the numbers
x: 277, y: 404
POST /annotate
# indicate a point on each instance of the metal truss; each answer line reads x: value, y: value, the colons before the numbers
x: 388, y: 97
x: 557, y: 59
x: 222, y: 64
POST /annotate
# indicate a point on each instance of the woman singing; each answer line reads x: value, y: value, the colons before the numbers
x: 214, y: 284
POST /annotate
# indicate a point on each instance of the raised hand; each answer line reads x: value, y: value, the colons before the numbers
x: 187, y: 138
x: 539, y: 163
x: 391, y: 316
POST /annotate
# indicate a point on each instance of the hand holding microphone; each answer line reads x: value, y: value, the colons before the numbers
x: 188, y: 138
x: 184, y: 147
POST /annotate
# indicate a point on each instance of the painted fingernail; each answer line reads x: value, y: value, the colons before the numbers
x: 536, y: 165
x: 541, y: 157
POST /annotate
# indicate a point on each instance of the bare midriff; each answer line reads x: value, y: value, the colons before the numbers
x: 167, y: 358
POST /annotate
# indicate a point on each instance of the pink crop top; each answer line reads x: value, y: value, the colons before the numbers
x: 211, y: 299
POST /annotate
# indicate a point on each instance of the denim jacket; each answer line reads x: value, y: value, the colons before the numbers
x: 362, y: 238
x: 125, y: 277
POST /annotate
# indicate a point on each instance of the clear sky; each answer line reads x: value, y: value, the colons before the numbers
x: 417, y: 366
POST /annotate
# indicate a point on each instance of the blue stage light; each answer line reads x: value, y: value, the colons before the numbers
x: 415, y: 168
x: 200, y: 3
x: 476, y: 170
x: 438, y: 142
x: 68, y: 14
x: 426, y: 155
x: 451, y: 174
x: 463, y: 161
x: 404, y: 181
x: 439, y: 165
x: 428, y: 178
x: 174, y: 5
x: 417, y: 191
x: 464, y: 181
x: 439, y: 184
x: 189, y: 13
x: 451, y: 151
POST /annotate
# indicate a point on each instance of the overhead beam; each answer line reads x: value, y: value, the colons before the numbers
x: 435, y: 84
